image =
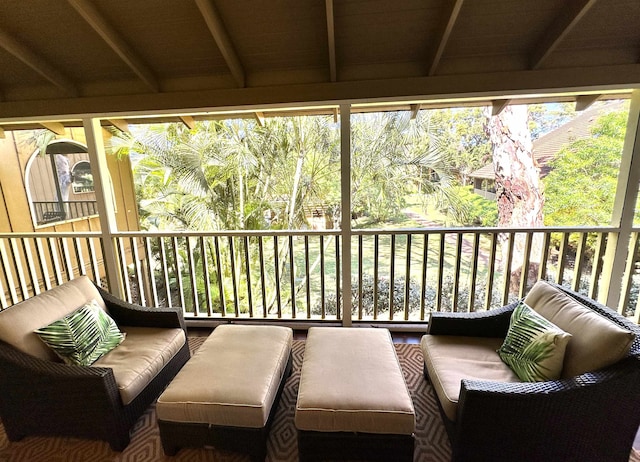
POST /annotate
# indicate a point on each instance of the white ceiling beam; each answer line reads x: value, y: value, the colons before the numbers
x: 448, y: 21
x: 570, y: 15
x: 37, y: 63
x: 55, y: 127
x: 189, y: 121
x: 331, y: 41
x: 220, y: 35
x: 120, y: 124
x: 91, y: 15
x: 585, y: 101
x: 259, y: 118
x: 497, y: 106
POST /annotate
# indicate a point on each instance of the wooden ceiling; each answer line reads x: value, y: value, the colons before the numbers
x: 64, y: 59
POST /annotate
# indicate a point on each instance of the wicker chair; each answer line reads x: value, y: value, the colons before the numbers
x: 590, y: 417
x: 49, y: 398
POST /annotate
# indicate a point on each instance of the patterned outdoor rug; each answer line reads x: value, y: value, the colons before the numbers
x: 432, y: 444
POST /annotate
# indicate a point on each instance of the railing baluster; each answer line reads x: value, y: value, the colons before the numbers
x: 323, y: 306
x: 178, y: 271
x: 507, y: 268
x: 376, y: 259
x: 206, y: 275
x: 150, y: 259
x: 524, y: 269
x: 596, y: 267
x: 93, y: 259
x: 392, y: 276
x: 247, y: 267
x: 223, y: 301
x: 263, y: 286
x: 491, y: 270
x: 276, y: 260
x: 292, y: 278
x: 192, y: 276
x: 67, y: 258
x: 307, y: 275
x: 165, y: 271
x: 234, y: 276
x: 561, y: 257
x: 79, y: 257
x: 407, y: 279
x: 31, y: 267
x: 135, y: 255
x: 628, y: 273
x: 8, y: 274
x: 425, y: 263
x: 441, y: 259
x: 53, y: 253
x: 473, y: 273
x: 42, y: 263
x: 123, y: 268
x: 544, y: 257
x: 17, y: 263
x: 360, y: 274
x: 456, y: 272
x: 577, y: 270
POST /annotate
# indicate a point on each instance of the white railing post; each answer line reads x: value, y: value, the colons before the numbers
x: 105, y: 201
x: 345, y: 207
x: 617, y: 250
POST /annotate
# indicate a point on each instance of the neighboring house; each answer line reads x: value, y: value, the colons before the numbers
x: 546, y: 148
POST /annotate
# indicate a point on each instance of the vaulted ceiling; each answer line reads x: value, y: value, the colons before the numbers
x: 65, y: 58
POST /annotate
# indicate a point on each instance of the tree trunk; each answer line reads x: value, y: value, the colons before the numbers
x: 518, y: 188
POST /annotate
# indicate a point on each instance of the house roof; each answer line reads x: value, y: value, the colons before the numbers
x: 547, y: 146
x: 61, y: 60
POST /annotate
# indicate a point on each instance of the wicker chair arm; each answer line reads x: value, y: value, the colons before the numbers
x: 129, y: 314
x: 493, y: 323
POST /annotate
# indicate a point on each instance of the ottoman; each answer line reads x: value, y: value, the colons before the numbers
x: 353, y: 402
x: 227, y: 393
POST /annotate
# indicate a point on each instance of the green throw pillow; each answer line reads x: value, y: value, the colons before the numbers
x: 82, y: 337
x: 534, y: 347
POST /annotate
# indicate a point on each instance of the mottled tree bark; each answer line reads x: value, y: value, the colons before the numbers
x: 519, y: 193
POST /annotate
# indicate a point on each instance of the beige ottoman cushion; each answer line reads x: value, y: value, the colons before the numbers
x: 232, y: 380
x: 450, y: 358
x: 351, y: 381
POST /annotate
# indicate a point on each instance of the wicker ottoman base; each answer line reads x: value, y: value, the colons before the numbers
x: 226, y: 396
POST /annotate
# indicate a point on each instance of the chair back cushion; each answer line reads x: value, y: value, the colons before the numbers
x: 18, y: 322
x: 597, y: 342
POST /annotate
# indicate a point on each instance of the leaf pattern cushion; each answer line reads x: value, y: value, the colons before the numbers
x: 82, y: 337
x: 534, y: 347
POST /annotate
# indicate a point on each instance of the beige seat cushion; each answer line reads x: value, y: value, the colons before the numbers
x: 232, y: 380
x: 597, y: 342
x: 351, y: 381
x: 140, y: 357
x: 449, y: 359
x: 17, y: 323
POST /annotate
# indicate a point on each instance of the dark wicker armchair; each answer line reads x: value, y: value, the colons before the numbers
x: 49, y: 398
x: 590, y: 417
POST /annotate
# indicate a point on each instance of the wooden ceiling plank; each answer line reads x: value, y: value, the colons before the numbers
x: 497, y: 106
x: 220, y: 35
x: 120, y: 124
x: 189, y: 121
x: 115, y: 41
x: 37, y: 63
x: 55, y: 127
x: 448, y: 21
x: 331, y: 41
x: 569, y: 16
x: 585, y: 101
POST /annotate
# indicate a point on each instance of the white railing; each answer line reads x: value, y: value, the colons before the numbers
x: 296, y: 275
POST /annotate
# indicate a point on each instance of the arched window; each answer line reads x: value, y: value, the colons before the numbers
x: 60, y: 184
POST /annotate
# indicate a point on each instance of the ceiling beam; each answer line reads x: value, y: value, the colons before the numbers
x: 189, y: 121
x: 37, y: 63
x: 570, y: 15
x: 447, y: 21
x: 120, y: 124
x: 220, y: 35
x: 585, y: 101
x: 331, y: 41
x: 497, y: 106
x: 116, y: 42
x: 55, y: 127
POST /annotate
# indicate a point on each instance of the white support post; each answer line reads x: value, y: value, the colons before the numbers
x: 345, y: 207
x: 105, y: 202
x: 617, y: 250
